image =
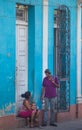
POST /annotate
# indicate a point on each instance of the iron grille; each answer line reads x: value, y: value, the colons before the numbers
x: 62, y: 49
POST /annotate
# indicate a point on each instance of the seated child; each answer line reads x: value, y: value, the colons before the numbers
x: 37, y: 114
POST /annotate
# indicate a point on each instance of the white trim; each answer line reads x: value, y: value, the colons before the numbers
x: 79, y: 99
x: 45, y: 35
x: 19, y: 22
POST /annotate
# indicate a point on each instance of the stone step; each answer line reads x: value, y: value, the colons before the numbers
x: 21, y: 122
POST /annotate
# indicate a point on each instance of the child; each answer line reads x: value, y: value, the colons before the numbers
x: 37, y: 114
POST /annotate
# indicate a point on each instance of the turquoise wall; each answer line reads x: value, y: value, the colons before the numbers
x: 31, y: 47
x: 8, y: 52
x: 71, y: 4
x: 35, y: 32
x: 35, y: 52
x: 7, y: 57
x: 38, y: 55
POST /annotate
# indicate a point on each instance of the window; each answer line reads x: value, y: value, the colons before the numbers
x: 62, y: 55
x: 21, y: 13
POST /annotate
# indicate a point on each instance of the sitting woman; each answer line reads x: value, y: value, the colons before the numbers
x: 26, y: 110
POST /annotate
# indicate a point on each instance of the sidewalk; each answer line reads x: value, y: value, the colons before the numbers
x: 70, y: 125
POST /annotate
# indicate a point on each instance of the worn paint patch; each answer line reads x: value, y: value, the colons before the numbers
x: 7, y: 109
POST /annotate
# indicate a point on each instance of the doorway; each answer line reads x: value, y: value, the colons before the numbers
x: 21, y: 53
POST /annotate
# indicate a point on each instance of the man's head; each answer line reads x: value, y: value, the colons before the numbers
x: 47, y: 72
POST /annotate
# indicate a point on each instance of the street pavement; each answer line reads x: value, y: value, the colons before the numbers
x: 69, y: 125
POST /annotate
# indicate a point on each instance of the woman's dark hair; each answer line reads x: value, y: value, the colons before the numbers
x: 26, y: 95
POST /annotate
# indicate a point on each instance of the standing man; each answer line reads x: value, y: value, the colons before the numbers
x: 49, y: 95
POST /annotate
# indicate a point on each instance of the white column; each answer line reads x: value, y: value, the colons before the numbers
x: 45, y: 35
x: 79, y: 99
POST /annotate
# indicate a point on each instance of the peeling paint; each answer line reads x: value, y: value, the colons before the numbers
x: 7, y: 109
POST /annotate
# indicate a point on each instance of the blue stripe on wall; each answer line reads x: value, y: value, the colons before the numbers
x: 35, y: 52
x: 38, y: 55
x: 31, y: 47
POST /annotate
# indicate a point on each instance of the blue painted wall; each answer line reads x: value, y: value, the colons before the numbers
x: 7, y: 57
x: 35, y: 52
x: 8, y: 52
x: 8, y: 49
x: 38, y: 55
x: 72, y: 6
x: 31, y: 47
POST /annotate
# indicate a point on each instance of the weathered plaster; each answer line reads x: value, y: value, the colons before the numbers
x: 7, y: 109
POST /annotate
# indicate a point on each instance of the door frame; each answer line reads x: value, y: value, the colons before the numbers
x: 20, y: 23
